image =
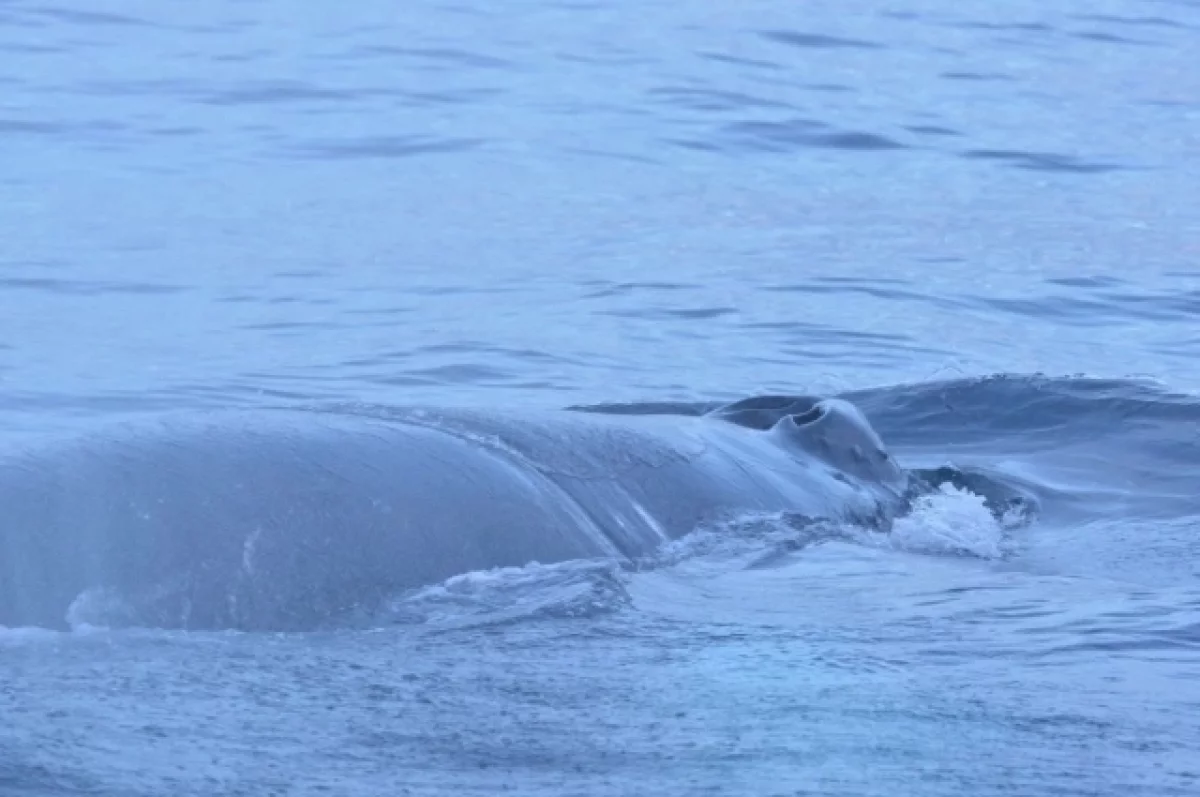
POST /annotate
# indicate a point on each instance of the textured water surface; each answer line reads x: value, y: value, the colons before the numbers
x: 548, y: 203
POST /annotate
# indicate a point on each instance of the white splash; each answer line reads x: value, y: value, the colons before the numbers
x: 98, y: 609
x: 573, y: 589
x: 949, y: 521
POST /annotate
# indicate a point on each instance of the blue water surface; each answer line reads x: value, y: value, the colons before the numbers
x: 979, y: 222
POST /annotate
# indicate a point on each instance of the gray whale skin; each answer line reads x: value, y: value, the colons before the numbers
x: 285, y: 519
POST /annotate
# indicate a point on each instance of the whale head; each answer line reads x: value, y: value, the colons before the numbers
x: 835, y: 432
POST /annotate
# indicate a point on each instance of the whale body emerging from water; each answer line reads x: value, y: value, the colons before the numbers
x: 284, y: 519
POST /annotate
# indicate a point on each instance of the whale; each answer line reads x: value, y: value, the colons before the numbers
x: 286, y: 518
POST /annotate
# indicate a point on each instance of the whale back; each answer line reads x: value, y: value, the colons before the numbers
x: 266, y: 520
x: 281, y: 519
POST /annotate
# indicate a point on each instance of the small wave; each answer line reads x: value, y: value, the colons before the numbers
x: 1036, y: 408
x: 578, y: 589
x: 755, y: 536
x: 12, y: 637
x: 947, y: 520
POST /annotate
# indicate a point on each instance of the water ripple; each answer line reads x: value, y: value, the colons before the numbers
x: 89, y: 18
x: 386, y: 147
x: 65, y: 287
x: 438, y: 58
x: 1043, y: 161
x: 817, y: 40
x: 788, y: 136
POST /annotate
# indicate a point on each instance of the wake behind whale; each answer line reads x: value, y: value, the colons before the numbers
x: 288, y: 519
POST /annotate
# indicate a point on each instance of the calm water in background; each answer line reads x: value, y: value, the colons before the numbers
x: 554, y: 203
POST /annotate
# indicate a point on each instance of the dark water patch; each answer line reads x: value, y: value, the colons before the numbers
x: 175, y: 132
x: 690, y: 409
x: 395, y: 380
x: 281, y: 326
x: 855, y: 141
x: 441, y: 57
x: 669, y: 313
x: 381, y: 358
x: 700, y: 313
x: 25, y: 47
x: 805, y: 327
x: 249, y: 393
x: 1027, y: 27
x: 271, y: 92
x: 1068, y: 310
x: 25, y: 126
x: 453, y: 290
x: 1104, y: 642
x: 41, y: 264
x: 806, y: 332
x: 92, y: 132
x: 1186, y: 346
x: 94, y: 135
x: 380, y: 316
x: 460, y: 374
x: 491, y: 350
x: 605, y: 289
x: 1168, y: 104
x: 735, y: 60
x: 612, y: 57
x: 1104, y: 309
x: 386, y: 147
x: 828, y: 87
x: 84, y: 288
x: 1099, y: 281
x: 1020, y: 407
x: 1043, y: 161
x: 785, y: 132
x: 817, y: 40
x: 456, y: 347
x: 791, y: 135
x: 91, y: 18
x: 1089, y: 447
x: 301, y: 273
x: 15, y: 20
x: 143, y: 86
x: 617, y: 156
x: 289, y: 92
x: 839, y: 280
x: 888, y: 294
x: 19, y: 776
x: 243, y: 56
x: 1110, y: 38
x: 1158, y: 307
x: 1158, y: 22
x: 693, y: 144
x: 980, y: 76
x: 447, y: 96
x: 311, y: 300
x: 697, y: 99
x: 933, y: 130
x: 940, y: 260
